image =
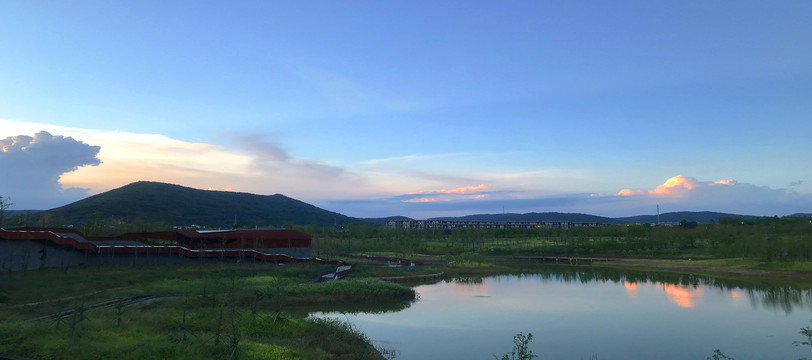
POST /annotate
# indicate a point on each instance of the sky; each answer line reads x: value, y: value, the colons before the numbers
x: 414, y: 108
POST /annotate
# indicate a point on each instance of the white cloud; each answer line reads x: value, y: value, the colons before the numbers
x: 247, y: 163
x: 32, y: 166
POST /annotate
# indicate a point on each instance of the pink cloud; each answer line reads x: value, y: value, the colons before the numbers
x: 420, y: 200
x: 464, y: 189
x: 629, y: 192
x: 460, y: 193
x: 725, y: 182
x: 675, y: 186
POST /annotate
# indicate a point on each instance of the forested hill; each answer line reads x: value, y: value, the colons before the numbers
x: 697, y: 216
x: 176, y: 205
x: 183, y: 206
x: 533, y: 216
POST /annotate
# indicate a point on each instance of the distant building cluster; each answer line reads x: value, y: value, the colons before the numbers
x: 456, y: 224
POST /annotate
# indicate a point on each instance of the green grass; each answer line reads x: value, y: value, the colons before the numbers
x: 258, y: 307
x: 150, y: 333
x: 262, y: 306
x: 745, y: 263
x: 354, y: 290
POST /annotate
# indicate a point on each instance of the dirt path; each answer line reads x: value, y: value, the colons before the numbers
x: 68, y: 297
x: 129, y: 301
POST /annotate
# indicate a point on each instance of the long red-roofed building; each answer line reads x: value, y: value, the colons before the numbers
x: 30, y: 247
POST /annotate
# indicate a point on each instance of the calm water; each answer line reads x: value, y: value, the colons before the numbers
x: 575, y: 314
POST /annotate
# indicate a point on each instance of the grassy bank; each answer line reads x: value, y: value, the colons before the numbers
x: 259, y: 311
x: 247, y: 311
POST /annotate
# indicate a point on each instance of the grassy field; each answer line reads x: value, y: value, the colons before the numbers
x: 772, y: 240
x: 259, y: 310
x: 249, y: 311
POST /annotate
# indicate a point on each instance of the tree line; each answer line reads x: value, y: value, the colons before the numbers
x: 767, y: 238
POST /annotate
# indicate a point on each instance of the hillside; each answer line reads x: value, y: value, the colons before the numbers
x: 179, y: 205
x: 698, y: 216
x: 13, y: 213
x: 546, y: 216
x: 182, y: 206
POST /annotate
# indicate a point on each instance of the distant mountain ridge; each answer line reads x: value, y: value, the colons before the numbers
x: 13, y: 213
x: 383, y: 220
x: 184, y: 206
x: 698, y: 216
x: 533, y: 216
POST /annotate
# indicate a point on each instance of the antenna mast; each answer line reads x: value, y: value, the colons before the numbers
x: 658, y: 214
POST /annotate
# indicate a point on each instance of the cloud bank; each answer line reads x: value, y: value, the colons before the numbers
x: 678, y: 193
x: 244, y: 162
x: 688, y: 193
x: 43, y: 171
x: 33, y: 165
x: 459, y: 193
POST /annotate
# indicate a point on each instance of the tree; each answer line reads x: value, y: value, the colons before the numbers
x: 5, y: 204
x: 521, y: 348
x: 805, y: 331
x: 718, y: 355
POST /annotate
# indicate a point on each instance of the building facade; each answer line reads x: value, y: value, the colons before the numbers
x: 479, y: 224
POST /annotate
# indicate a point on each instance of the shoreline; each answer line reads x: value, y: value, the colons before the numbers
x: 730, y: 268
x: 709, y: 268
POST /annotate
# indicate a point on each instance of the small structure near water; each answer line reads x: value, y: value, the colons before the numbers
x: 339, y: 273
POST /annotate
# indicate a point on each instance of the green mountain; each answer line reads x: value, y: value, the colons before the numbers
x: 13, y: 213
x: 533, y: 216
x: 698, y: 216
x: 182, y: 206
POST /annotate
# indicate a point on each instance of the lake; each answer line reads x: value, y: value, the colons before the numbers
x: 591, y: 313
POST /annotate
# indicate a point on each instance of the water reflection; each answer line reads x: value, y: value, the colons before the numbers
x: 683, y: 290
x: 574, y: 312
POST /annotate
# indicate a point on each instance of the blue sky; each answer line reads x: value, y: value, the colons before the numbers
x: 415, y: 108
